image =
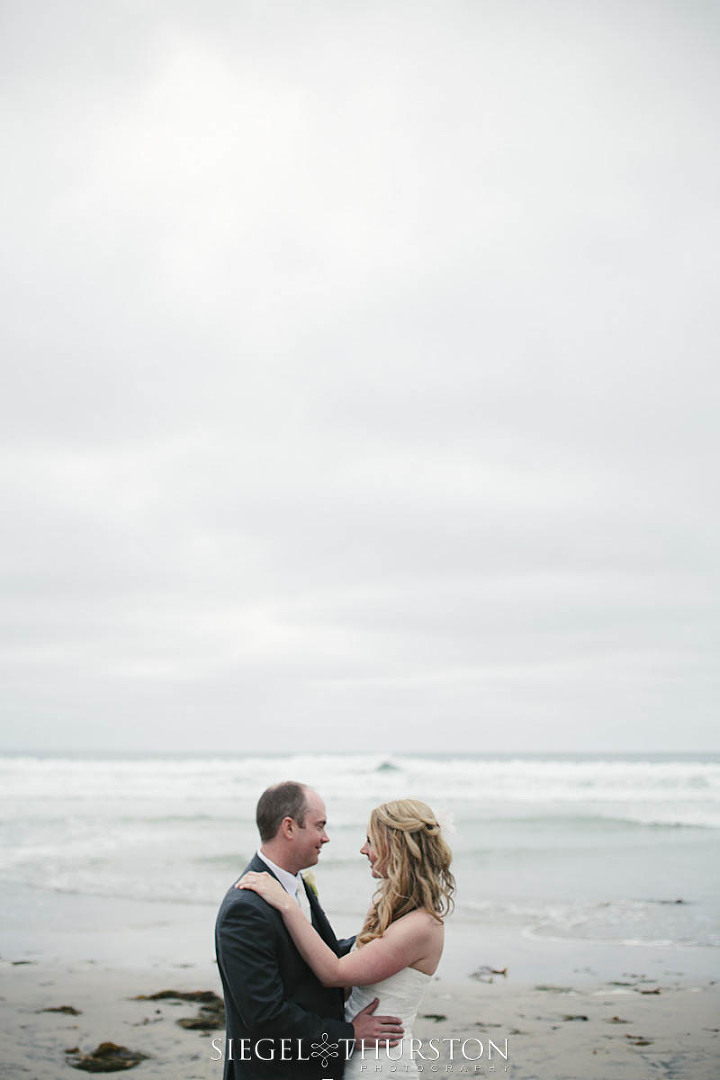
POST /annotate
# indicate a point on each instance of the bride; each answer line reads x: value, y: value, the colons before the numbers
x: 399, y: 947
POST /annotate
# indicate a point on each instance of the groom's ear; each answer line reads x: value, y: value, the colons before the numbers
x: 287, y: 828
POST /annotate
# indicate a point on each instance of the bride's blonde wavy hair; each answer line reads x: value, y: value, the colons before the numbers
x: 414, y: 860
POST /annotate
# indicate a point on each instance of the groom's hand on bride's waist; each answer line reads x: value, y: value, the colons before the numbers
x: 383, y: 1030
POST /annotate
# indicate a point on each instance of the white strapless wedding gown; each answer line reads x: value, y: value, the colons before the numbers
x: 400, y: 995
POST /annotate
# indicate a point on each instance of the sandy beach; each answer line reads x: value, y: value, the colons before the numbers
x: 624, y: 1029
x: 597, y: 897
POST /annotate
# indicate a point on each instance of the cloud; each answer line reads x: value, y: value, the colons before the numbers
x: 360, y: 371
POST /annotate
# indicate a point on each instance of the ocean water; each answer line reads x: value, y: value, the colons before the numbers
x: 580, y: 856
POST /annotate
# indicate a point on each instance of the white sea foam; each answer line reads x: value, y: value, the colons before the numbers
x: 477, y: 779
x: 548, y: 845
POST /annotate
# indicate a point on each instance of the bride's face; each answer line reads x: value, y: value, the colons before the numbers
x: 372, y: 856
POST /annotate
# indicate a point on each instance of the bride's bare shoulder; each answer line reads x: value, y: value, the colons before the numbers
x: 420, y: 921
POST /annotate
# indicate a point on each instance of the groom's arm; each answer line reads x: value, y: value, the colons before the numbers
x: 250, y: 961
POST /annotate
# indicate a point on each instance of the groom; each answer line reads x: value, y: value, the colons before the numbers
x: 278, y: 1014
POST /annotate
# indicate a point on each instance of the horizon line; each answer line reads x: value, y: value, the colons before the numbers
x: 296, y: 752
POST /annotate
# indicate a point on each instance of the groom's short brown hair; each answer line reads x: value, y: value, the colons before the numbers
x: 278, y: 802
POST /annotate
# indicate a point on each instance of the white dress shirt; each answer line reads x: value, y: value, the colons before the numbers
x: 292, y: 883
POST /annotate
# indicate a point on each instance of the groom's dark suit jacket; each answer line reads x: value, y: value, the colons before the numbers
x: 271, y: 993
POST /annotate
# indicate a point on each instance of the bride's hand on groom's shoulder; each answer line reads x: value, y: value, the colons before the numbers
x: 268, y: 887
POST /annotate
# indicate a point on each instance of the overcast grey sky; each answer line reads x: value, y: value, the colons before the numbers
x: 361, y: 375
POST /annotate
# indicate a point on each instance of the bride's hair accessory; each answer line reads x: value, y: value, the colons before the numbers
x: 446, y: 820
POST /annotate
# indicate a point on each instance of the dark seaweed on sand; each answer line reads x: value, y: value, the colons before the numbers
x: 211, y: 1016
x: 107, y: 1057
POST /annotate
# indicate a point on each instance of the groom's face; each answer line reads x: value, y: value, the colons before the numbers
x: 309, y: 839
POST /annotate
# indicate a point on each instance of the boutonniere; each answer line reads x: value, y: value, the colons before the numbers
x: 309, y: 879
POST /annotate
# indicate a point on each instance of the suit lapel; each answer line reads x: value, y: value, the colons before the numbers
x: 320, y: 920
x: 312, y: 904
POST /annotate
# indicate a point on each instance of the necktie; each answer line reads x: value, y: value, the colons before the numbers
x: 303, y: 902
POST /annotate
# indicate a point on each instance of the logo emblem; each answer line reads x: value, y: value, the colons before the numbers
x: 324, y: 1050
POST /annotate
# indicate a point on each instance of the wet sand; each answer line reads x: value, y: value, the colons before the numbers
x: 627, y: 1028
